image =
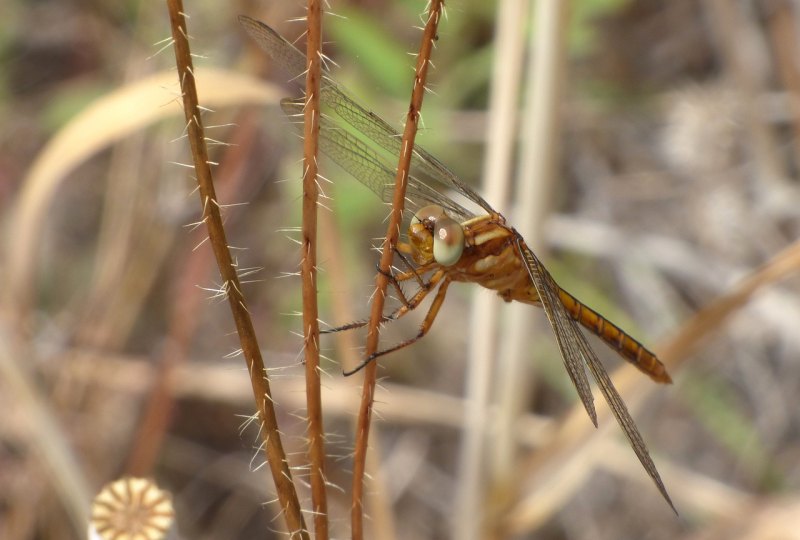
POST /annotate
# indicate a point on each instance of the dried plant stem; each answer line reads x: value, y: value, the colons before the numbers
x: 381, y: 281
x: 156, y: 417
x: 276, y: 457
x: 468, y: 519
x: 316, y: 442
x: 711, y: 318
x: 538, y: 161
x: 47, y: 439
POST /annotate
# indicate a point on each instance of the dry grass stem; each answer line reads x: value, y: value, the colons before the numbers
x: 196, y: 267
x: 711, y: 318
x: 392, y: 236
x: 316, y: 440
x: 486, y: 311
x: 47, y: 438
x: 675, y: 213
x: 535, y: 178
x: 276, y: 457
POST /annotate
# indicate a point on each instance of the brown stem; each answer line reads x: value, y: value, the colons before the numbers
x: 316, y: 443
x: 157, y: 415
x: 381, y: 280
x: 276, y: 457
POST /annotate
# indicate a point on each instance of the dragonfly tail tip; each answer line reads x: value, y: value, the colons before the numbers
x: 664, y: 378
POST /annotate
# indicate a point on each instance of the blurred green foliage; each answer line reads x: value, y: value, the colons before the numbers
x: 582, y: 35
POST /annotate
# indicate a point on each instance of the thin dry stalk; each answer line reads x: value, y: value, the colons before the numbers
x: 534, y: 186
x: 157, y: 416
x: 316, y: 442
x: 95, y: 128
x: 47, y: 440
x: 379, y: 502
x: 712, y: 317
x: 276, y: 457
x: 486, y: 311
x: 381, y: 281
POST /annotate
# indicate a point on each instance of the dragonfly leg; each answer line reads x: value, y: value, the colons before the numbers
x: 403, y: 249
x: 412, y: 272
x: 395, y: 281
x: 418, y: 297
x: 348, y: 326
x: 423, y: 329
x: 407, y: 306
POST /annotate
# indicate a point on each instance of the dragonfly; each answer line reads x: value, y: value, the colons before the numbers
x: 448, y: 242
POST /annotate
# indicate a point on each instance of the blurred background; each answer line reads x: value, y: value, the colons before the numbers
x: 673, y: 165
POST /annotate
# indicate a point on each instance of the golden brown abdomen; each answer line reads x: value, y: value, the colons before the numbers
x: 630, y: 349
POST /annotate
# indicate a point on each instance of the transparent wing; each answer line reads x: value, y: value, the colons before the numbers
x: 351, y: 127
x: 575, y: 349
x: 370, y: 167
x: 566, y: 331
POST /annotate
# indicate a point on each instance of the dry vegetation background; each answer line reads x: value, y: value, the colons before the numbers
x: 676, y: 182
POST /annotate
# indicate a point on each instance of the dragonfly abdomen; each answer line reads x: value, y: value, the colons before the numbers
x: 616, y: 338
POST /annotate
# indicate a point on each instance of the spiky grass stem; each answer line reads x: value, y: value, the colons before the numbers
x: 381, y: 281
x: 273, y: 447
x: 316, y: 442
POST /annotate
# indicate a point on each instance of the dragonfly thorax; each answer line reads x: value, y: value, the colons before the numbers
x: 435, y: 237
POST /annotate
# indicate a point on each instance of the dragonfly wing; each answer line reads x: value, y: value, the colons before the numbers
x: 574, y: 347
x: 428, y: 171
x: 567, y: 334
x: 347, y: 151
x: 371, y: 166
x: 429, y: 176
x: 624, y: 418
x: 275, y: 45
x: 429, y: 179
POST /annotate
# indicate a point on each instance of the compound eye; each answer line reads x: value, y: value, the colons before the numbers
x: 448, y: 241
x: 428, y: 214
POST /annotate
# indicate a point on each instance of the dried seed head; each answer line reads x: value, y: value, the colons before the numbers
x: 131, y: 508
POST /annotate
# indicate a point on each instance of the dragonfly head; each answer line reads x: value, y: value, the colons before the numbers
x: 435, y: 236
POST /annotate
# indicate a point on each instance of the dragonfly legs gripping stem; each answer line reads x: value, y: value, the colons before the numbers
x: 408, y: 304
x: 400, y: 250
x: 395, y: 279
x: 427, y: 323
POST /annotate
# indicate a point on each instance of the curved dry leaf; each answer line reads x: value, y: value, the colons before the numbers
x: 107, y: 120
